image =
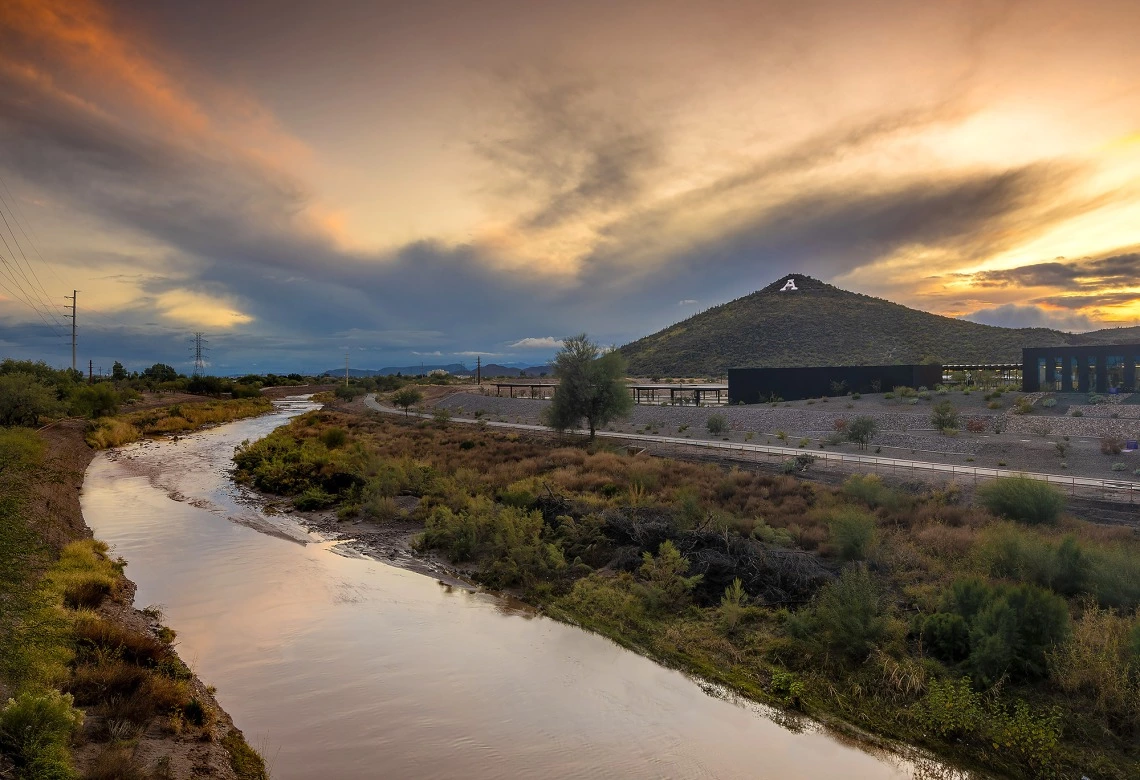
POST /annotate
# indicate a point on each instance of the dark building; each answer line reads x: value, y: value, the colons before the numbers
x: 757, y: 385
x: 1103, y: 368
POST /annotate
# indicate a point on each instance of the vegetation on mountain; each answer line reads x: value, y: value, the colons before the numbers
x: 821, y: 325
x: 1012, y: 646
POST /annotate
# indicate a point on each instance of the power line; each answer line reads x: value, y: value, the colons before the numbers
x: 46, y: 297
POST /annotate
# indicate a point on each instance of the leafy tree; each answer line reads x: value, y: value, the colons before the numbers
x: 944, y: 416
x: 946, y: 636
x: 93, y: 401
x: 590, y: 386
x: 861, y: 430
x: 160, y: 372
x: 118, y: 373
x: 407, y: 398
x: 205, y: 385
x: 24, y: 399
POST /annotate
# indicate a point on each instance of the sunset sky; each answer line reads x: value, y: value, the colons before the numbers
x: 428, y: 181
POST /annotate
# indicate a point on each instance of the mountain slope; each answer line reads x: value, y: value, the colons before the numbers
x: 821, y: 325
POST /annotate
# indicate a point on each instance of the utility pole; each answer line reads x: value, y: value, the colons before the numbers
x: 90, y: 372
x: 346, y: 368
x: 479, y: 369
x: 74, y: 294
x: 199, y: 353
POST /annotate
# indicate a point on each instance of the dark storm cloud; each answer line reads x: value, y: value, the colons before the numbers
x: 1089, y: 300
x: 833, y: 231
x: 1117, y: 270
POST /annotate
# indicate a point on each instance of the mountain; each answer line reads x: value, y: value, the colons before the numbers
x: 817, y: 324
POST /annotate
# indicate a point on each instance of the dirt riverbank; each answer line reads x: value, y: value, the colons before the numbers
x: 165, y: 745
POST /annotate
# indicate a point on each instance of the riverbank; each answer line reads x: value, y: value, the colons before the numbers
x: 825, y: 601
x: 99, y: 690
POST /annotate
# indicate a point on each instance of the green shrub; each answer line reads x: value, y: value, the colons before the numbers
x: 1022, y: 498
x: 1014, y: 631
x: 951, y: 709
x: 35, y: 730
x: 861, y: 430
x: 717, y: 424
x: 314, y: 498
x: 334, y: 437
x: 848, y: 617
x: 732, y: 606
x: 869, y: 489
x: 1049, y: 403
x: 946, y: 636
x: 24, y: 399
x: 943, y: 415
x: 852, y: 533
x: 665, y: 587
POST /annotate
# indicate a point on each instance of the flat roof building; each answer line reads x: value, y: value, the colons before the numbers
x: 1099, y: 368
x: 757, y: 385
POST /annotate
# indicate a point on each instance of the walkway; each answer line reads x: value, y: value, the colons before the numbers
x: 1114, y: 490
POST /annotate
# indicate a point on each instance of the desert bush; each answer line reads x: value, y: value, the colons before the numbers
x: 1098, y: 663
x: 1049, y: 403
x: 946, y: 636
x: 664, y: 586
x: 1111, y: 445
x: 92, y: 401
x: 732, y: 606
x: 840, y: 425
x: 441, y: 415
x: 24, y: 399
x: 716, y: 424
x: 35, y: 730
x: 1022, y: 498
x: 334, y: 437
x: 1022, y: 405
x: 852, y: 533
x: 944, y: 415
x: 848, y: 617
x: 1014, y: 631
x: 861, y: 430
x: 976, y: 425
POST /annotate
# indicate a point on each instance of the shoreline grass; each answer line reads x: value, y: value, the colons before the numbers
x: 106, y: 432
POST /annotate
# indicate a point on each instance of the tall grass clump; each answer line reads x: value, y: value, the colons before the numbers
x: 852, y: 533
x: 35, y: 731
x: 1023, y: 499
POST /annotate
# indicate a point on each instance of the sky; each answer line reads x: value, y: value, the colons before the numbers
x: 435, y: 180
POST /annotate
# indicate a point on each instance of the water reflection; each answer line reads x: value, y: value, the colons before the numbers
x: 351, y: 668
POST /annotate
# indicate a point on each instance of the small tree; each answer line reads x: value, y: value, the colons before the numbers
x: 407, y: 398
x: 944, y: 417
x: 24, y: 399
x: 118, y: 373
x: 160, y: 372
x: 717, y: 424
x: 98, y: 400
x: 861, y: 430
x: 590, y: 385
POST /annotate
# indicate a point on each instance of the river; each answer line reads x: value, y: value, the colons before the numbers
x: 338, y: 666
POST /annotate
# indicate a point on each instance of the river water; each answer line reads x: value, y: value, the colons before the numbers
x: 337, y: 666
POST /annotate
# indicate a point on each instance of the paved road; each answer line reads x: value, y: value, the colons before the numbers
x: 1115, y: 490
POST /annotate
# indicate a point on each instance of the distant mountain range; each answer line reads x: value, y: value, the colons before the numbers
x: 820, y: 325
x: 457, y: 369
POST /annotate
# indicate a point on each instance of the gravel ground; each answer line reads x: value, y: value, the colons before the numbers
x: 1028, y: 442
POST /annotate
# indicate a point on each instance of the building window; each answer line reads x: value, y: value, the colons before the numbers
x: 1041, y: 373
x: 1115, y: 373
x: 1058, y: 372
x: 1093, y: 386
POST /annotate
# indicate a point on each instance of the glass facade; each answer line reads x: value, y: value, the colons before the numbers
x: 1115, y: 373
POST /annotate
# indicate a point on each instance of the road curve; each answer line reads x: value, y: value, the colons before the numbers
x: 1115, y: 490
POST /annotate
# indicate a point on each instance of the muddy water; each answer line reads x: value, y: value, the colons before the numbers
x: 343, y: 667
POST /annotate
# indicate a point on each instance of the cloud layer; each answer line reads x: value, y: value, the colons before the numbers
x: 580, y: 176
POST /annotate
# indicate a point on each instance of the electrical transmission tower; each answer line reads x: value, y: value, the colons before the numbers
x: 200, y: 352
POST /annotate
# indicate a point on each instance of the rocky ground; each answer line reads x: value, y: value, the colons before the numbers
x: 1049, y: 439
